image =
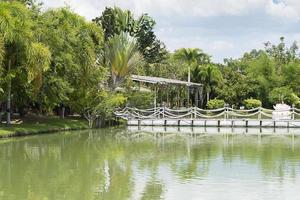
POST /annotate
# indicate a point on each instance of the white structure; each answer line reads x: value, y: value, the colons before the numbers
x: 281, y: 112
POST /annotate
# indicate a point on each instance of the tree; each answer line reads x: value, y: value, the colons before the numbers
x: 114, y: 21
x: 283, y: 94
x: 282, y: 54
x: 191, y: 56
x: 21, y: 51
x: 210, y: 76
x: 75, y: 45
x: 263, y: 71
x: 235, y: 86
x: 291, y: 73
x: 1, y: 61
x: 121, y: 56
x: 101, y: 104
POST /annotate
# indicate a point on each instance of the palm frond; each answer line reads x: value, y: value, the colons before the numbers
x: 122, y: 56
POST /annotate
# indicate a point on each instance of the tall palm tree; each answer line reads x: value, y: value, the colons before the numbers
x: 20, y: 49
x: 122, y: 56
x: 192, y: 56
x: 210, y: 76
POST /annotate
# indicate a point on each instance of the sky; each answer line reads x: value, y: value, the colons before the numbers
x: 221, y: 28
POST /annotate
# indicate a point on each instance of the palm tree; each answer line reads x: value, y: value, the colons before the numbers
x: 20, y: 50
x: 210, y: 76
x: 122, y: 56
x: 192, y: 56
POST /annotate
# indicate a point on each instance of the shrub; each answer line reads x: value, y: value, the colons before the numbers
x: 297, y: 104
x: 215, y: 103
x: 284, y: 94
x: 252, y: 103
x: 141, y: 100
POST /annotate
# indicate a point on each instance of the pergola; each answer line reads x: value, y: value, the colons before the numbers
x: 196, y: 88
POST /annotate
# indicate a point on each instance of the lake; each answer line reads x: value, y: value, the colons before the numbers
x: 117, y: 164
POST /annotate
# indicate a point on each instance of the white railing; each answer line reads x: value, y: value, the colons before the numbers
x: 195, y: 112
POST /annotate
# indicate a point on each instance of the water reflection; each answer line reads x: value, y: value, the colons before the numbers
x: 116, y: 164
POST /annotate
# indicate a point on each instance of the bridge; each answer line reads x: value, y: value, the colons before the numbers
x: 194, y: 116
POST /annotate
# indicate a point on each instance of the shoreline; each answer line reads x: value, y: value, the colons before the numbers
x: 42, y: 126
x: 30, y: 133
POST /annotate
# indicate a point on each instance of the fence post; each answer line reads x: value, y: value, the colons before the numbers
x: 163, y: 110
x: 259, y: 112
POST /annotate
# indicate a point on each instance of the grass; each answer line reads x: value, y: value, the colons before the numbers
x: 34, y: 125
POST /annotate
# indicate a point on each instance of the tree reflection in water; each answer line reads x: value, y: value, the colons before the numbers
x: 114, y: 164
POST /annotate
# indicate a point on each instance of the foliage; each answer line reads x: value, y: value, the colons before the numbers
x: 215, y: 103
x: 22, y: 53
x: 283, y: 94
x: 75, y: 45
x: 252, y: 103
x: 122, y: 56
x: 56, y: 59
x: 281, y: 53
x: 210, y: 76
x: 291, y: 73
x: 235, y: 86
x: 140, y: 100
x: 191, y: 56
x: 114, y: 21
x: 101, y: 104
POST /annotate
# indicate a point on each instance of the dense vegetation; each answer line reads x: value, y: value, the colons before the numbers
x: 57, y: 62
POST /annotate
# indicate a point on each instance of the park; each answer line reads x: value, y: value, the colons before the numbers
x: 115, y: 104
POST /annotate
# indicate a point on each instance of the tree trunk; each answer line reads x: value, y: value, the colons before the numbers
x: 207, y: 96
x: 0, y: 113
x: 62, y: 115
x: 8, y: 104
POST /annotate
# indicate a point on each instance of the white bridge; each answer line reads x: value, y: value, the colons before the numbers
x: 194, y: 116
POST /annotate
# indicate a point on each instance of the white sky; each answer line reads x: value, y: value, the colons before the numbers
x: 222, y: 28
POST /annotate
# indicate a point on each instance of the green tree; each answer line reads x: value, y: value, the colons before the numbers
x: 100, y: 104
x: 281, y: 53
x: 122, y: 56
x: 235, y: 86
x: 210, y: 76
x: 114, y: 21
x: 75, y: 45
x: 191, y: 56
x: 263, y: 71
x: 283, y: 94
x: 22, y: 53
x: 291, y: 73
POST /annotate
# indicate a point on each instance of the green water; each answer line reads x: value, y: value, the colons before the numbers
x: 115, y: 164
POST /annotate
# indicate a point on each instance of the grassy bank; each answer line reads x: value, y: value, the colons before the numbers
x: 35, y: 125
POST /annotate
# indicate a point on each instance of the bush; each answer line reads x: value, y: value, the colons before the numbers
x: 284, y: 94
x: 297, y: 104
x: 215, y: 103
x: 140, y: 100
x: 252, y: 103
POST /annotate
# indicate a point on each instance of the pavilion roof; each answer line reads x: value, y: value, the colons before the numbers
x: 162, y: 81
